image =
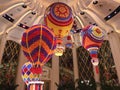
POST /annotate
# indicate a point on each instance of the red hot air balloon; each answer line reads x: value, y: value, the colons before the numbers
x: 38, y: 44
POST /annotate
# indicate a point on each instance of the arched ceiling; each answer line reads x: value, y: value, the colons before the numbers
x: 30, y: 12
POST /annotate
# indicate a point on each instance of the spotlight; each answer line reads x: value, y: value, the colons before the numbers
x: 90, y: 22
x: 33, y: 13
x: 24, y: 6
x: 115, y: 12
x: 82, y: 13
x: 95, y: 2
x: 95, y: 24
x: 110, y: 9
x: 109, y: 16
x: 112, y: 31
x: 9, y: 18
x: 112, y: 14
x: 82, y: 81
x: 108, y: 33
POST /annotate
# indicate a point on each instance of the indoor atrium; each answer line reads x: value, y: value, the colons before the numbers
x: 59, y: 44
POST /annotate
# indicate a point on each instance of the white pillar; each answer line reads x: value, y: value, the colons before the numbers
x: 114, y: 40
x: 54, y: 72
x: 2, y: 46
x: 96, y: 77
x: 19, y: 81
x: 75, y: 64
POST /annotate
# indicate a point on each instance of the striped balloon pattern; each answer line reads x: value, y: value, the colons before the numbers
x: 92, y: 38
x: 35, y: 86
x: 59, y: 18
x: 27, y: 75
x: 38, y: 44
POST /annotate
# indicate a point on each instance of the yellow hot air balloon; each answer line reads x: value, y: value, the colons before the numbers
x: 59, y: 18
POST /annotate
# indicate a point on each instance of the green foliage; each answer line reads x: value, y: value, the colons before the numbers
x: 85, y: 85
x: 8, y: 87
x: 105, y: 86
x: 7, y: 76
x: 66, y: 86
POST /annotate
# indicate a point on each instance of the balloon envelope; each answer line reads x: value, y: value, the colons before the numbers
x: 59, y: 18
x: 38, y: 44
x: 92, y: 38
x: 27, y: 75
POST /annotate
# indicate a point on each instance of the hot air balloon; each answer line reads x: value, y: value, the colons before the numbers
x: 38, y: 44
x: 92, y: 38
x: 58, y: 17
x: 59, y: 50
x: 32, y: 81
x: 27, y: 75
x: 68, y: 41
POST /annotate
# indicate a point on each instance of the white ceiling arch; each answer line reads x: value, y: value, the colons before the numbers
x: 93, y: 13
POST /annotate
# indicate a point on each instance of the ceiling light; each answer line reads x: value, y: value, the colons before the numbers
x: 24, y: 6
x: 8, y: 18
x: 110, y: 9
x: 95, y: 24
x: 115, y: 12
x: 82, y: 13
x: 112, y: 14
x: 95, y: 2
x: 33, y: 13
x: 108, y: 16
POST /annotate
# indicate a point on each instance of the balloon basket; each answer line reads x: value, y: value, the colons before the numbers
x: 35, y: 85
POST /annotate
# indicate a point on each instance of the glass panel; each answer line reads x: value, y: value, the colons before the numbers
x: 66, y: 70
x: 49, y: 63
x: 9, y: 64
x: 46, y: 85
x: 84, y: 64
x: 86, y: 76
x: 108, y: 75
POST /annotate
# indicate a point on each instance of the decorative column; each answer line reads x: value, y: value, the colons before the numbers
x: 2, y: 46
x: 114, y: 41
x: 54, y: 72
x: 75, y: 64
x: 96, y: 76
x: 19, y: 80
